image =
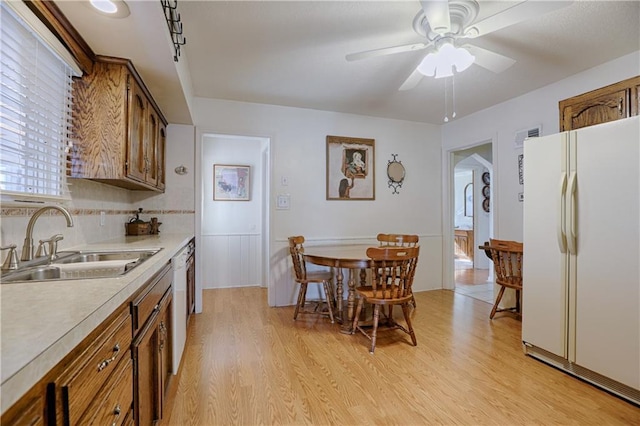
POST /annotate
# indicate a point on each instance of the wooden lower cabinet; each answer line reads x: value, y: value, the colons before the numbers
x: 31, y: 410
x: 152, y: 364
x: 113, y: 402
x: 463, y: 239
x: 191, y: 282
x: 90, y: 371
x: 118, y: 375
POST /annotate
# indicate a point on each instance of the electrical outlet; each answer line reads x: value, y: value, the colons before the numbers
x: 103, y: 217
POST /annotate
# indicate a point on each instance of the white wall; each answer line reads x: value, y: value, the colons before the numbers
x: 502, y: 121
x: 298, y: 147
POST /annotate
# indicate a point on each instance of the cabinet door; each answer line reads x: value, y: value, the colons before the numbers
x: 137, y: 119
x: 151, y: 149
x: 164, y: 354
x: 600, y: 109
x: 146, y: 386
x: 635, y: 99
x: 191, y: 286
x: 161, y: 156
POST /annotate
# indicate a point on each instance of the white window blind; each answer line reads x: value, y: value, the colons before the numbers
x: 35, y: 111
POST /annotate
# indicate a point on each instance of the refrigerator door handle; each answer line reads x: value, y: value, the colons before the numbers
x: 573, y: 249
x: 562, y: 235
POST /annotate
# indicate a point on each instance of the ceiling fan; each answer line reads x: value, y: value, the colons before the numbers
x: 448, y: 25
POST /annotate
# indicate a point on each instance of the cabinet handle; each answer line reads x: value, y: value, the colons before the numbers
x: 104, y: 364
x: 163, y: 334
x: 620, y: 107
x: 116, y: 412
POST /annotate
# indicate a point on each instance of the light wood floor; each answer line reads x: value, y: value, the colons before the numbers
x: 248, y: 364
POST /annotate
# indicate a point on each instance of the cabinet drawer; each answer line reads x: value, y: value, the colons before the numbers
x: 28, y: 414
x: 146, y: 303
x: 113, y: 403
x: 87, y: 375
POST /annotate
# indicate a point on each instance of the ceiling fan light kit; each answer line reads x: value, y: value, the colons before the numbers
x: 446, y: 58
x: 448, y: 25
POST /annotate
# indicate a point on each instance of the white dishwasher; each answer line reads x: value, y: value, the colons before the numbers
x: 179, y: 314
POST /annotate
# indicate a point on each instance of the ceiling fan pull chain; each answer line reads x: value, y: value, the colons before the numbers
x: 446, y: 104
x: 453, y: 95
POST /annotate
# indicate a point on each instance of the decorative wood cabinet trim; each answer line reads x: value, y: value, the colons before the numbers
x: 609, y: 103
x: 60, y: 26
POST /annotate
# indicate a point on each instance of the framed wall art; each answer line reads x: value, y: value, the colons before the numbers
x: 231, y: 182
x: 350, y: 168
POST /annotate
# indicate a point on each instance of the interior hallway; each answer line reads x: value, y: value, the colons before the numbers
x: 248, y: 364
x: 473, y: 282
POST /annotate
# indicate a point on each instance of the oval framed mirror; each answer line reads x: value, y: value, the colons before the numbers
x: 395, y: 173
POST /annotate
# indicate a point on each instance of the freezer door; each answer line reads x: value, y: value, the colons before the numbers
x: 544, y: 300
x: 607, y: 293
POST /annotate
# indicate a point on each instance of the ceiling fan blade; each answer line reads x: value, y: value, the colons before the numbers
x: 490, y: 60
x: 437, y: 14
x: 517, y: 13
x: 412, y: 81
x: 385, y: 51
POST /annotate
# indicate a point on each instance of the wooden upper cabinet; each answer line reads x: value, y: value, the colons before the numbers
x: 161, y: 155
x: 135, y: 166
x: 635, y: 97
x: 116, y: 128
x: 610, y: 103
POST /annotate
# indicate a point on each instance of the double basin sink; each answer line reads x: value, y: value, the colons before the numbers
x: 80, y: 265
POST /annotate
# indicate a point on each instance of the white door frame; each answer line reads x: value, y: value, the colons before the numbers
x: 448, y: 208
x: 266, y: 218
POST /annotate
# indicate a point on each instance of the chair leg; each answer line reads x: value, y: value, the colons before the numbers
x: 302, y: 294
x: 374, y: 330
x: 495, y: 305
x: 413, y: 301
x: 327, y: 294
x: 354, y: 326
x: 405, y: 311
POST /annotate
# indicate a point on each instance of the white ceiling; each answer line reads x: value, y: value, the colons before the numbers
x: 292, y: 53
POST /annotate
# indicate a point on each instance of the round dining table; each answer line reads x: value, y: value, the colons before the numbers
x: 343, y: 256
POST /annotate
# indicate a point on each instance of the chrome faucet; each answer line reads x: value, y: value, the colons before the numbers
x: 27, y: 248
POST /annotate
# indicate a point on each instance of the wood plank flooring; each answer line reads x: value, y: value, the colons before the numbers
x: 248, y: 364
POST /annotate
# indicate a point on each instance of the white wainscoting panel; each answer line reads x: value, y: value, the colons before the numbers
x: 231, y: 260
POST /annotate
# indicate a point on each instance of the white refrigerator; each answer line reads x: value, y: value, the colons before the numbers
x: 581, y: 270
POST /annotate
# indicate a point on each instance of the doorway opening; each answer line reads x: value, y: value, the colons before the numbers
x: 472, y: 221
x: 233, y: 230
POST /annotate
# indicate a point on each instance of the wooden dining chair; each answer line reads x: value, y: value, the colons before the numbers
x: 399, y: 240
x: 507, y: 262
x: 302, y: 277
x: 392, y: 272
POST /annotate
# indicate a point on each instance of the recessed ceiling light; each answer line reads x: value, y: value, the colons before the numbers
x: 111, y: 8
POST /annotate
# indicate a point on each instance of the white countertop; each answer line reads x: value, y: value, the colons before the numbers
x: 41, y: 322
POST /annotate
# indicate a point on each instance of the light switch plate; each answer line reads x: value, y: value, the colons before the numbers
x: 283, y: 201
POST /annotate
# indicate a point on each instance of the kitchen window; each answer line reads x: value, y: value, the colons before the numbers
x: 35, y: 108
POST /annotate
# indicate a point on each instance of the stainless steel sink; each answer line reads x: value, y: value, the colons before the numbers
x: 103, y: 255
x: 34, y: 273
x: 81, y: 265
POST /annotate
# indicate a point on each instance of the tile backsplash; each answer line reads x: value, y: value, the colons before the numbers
x: 89, y: 200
